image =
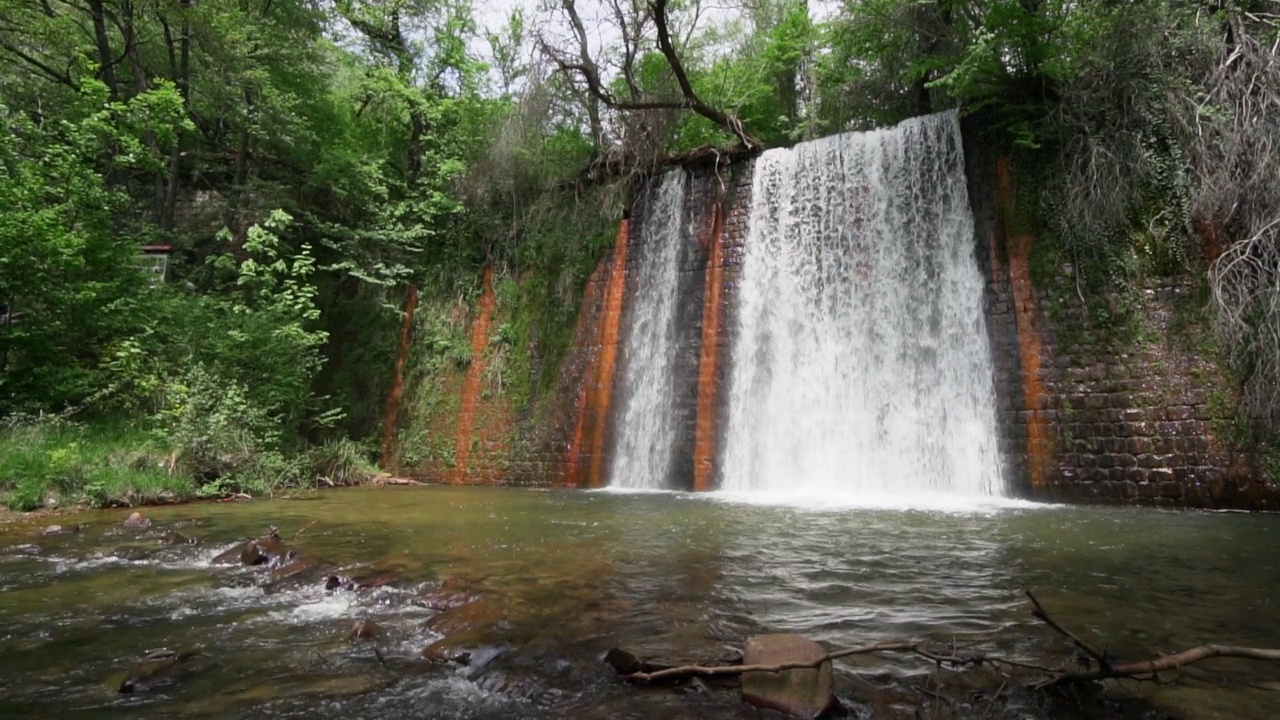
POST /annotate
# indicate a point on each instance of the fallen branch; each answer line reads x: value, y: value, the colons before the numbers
x: 1104, y: 663
x: 1103, y: 668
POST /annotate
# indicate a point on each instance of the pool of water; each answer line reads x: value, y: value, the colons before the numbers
x: 564, y: 575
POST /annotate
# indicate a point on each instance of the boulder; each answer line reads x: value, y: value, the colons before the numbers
x: 136, y: 521
x: 801, y: 692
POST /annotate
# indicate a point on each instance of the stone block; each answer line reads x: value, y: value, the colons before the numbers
x: 803, y: 693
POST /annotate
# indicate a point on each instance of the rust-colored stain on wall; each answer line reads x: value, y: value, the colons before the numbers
x: 392, y: 415
x: 585, y: 333
x: 704, y: 448
x: 1018, y: 244
x: 590, y: 431
x: 475, y: 375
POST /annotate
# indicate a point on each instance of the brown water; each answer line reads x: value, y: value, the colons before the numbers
x: 569, y: 574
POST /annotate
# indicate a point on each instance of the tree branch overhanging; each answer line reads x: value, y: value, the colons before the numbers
x: 582, y: 66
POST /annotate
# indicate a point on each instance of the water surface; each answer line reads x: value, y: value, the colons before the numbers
x: 566, y: 575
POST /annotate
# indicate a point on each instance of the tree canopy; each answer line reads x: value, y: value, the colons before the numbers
x: 335, y: 153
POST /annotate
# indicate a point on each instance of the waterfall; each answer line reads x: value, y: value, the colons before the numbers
x: 645, y: 434
x: 861, y: 363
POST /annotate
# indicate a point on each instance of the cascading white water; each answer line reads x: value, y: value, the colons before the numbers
x: 861, y: 365
x: 646, y: 424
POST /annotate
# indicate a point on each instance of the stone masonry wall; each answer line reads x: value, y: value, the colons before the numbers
x: 1088, y: 411
x: 1096, y: 410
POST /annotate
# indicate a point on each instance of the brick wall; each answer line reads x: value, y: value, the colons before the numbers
x: 1085, y: 413
x: 1095, y: 410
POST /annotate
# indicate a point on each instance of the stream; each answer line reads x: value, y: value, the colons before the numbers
x: 535, y: 585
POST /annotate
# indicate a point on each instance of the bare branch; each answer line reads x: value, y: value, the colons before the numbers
x: 727, y: 121
x: 1103, y: 669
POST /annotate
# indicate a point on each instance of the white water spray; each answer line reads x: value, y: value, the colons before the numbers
x: 646, y: 423
x: 861, y: 365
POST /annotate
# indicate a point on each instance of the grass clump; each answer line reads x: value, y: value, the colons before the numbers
x: 47, y: 462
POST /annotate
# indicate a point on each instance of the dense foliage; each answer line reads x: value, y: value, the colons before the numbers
x: 311, y: 160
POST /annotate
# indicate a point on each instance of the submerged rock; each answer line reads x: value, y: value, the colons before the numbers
x: 154, y: 667
x: 61, y: 530
x: 136, y: 521
x: 174, y: 537
x: 131, y: 552
x: 449, y: 594
x: 479, y: 613
x: 802, y: 692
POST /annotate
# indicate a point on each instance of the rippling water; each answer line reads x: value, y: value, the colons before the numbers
x: 571, y: 574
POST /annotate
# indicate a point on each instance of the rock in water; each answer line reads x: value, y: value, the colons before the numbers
x: 174, y: 537
x: 803, y: 693
x: 365, y: 629
x: 136, y: 521
x: 61, y: 530
x: 153, y: 667
x: 267, y: 549
x: 623, y: 662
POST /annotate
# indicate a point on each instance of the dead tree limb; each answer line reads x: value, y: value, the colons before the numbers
x: 727, y: 121
x: 1101, y: 669
x: 582, y: 66
x: 1100, y: 656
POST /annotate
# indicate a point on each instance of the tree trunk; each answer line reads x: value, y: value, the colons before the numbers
x: 105, y: 62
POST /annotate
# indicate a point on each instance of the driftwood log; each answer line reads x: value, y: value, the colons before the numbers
x: 1093, y: 665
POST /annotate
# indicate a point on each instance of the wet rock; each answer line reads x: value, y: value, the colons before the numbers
x: 375, y: 578
x: 449, y: 594
x: 173, y: 537
x: 154, y: 667
x: 474, y: 648
x: 802, y: 693
x: 131, y: 552
x: 61, y: 530
x: 625, y: 663
x: 365, y: 578
x: 365, y: 629
x: 295, y: 572
x: 228, y: 557
x: 136, y: 521
x: 479, y: 613
x: 262, y: 551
